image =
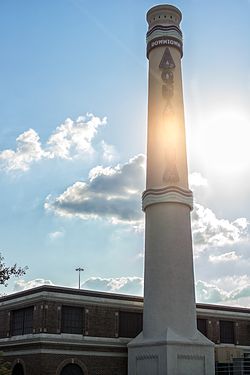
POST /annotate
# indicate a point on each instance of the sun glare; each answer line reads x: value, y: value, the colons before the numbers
x: 225, y: 140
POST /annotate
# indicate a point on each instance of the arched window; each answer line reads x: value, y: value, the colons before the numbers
x: 18, y: 369
x: 71, y: 369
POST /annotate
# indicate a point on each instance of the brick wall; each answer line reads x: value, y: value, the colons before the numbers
x: 101, y: 321
x: 213, y: 329
x: 47, y: 364
x: 243, y: 332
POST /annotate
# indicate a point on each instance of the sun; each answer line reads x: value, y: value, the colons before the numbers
x: 225, y: 140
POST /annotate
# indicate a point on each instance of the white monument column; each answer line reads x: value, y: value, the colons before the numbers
x: 170, y: 343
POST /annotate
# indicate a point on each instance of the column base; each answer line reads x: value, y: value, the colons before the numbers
x: 171, y: 355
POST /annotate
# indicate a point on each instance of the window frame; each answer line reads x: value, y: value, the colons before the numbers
x: 205, y: 321
x: 22, y: 320
x: 69, y: 320
x: 131, y: 328
x: 227, y: 338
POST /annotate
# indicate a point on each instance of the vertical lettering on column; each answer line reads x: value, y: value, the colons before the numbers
x: 167, y: 67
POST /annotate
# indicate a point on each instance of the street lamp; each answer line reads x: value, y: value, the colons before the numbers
x: 79, y: 269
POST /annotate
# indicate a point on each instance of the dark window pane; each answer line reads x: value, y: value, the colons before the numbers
x: 226, y: 332
x: 22, y: 321
x: 28, y: 320
x: 18, y: 370
x: 130, y: 324
x: 17, y: 322
x: 202, y: 326
x: 72, y: 319
x: 71, y: 369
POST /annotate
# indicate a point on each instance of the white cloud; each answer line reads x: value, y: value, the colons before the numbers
x: 125, y: 285
x: 70, y: 139
x: 217, y: 291
x: 73, y: 138
x: 206, y: 292
x: 226, y: 257
x: 28, y: 150
x: 209, y: 293
x: 114, y: 193
x: 196, y: 179
x: 109, y: 152
x: 209, y: 231
x: 110, y: 193
x: 55, y: 235
x: 24, y: 285
x: 230, y: 290
x: 233, y: 282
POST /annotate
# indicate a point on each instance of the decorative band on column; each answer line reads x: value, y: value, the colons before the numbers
x: 164, y: 41
x: 161, y: 30
x: 168, y: 194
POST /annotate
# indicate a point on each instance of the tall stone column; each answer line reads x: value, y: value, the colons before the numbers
x: 170, y: 343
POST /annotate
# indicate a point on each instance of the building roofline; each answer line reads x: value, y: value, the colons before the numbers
x: 108, y: 295
x: 74, y: 291
x: 223, y: 308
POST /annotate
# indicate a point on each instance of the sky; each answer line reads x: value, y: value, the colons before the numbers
x: 73, y: 118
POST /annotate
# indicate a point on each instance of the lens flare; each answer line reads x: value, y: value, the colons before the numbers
x: 225, y: 141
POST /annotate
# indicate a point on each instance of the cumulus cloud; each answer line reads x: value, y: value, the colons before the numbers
x: 206, y: 292
x: 125, y: 285
x: 226, y: 257
x: 232, y: 282
x: 114, y: 193
x: 215, y: 292
x: 209, y: 231
x: 196, y: 179
x: 209, y: 293
x: 74, y: 137
x: 24, y: 285
x: 108, y: 151
x: 28, y: 150
x: 71, y: 139
x: 241, y: 294
x: 110, y: 193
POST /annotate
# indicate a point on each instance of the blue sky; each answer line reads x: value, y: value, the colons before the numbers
x: 73, y: 101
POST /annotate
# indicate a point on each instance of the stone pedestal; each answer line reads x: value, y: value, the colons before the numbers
x: 171, y: 355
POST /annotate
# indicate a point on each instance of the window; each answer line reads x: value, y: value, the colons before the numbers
x: 226, y: 331
x: 130, y: 324
x: 71, y: 369
x: 202, y: 326
x: 22, y: 321
x: 72, y: 319
x: 18, y: 369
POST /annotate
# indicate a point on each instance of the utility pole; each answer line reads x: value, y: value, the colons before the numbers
x: 79, y: 269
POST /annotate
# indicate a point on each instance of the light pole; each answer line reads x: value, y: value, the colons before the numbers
x: 79, y: 269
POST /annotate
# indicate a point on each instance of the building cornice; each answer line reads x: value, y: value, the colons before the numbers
x: 69, y: 295
x: 63, y: 339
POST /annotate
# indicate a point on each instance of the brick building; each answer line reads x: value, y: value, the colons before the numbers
x: 61, y: 331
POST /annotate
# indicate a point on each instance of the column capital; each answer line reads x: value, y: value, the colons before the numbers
x: 164, y: 28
